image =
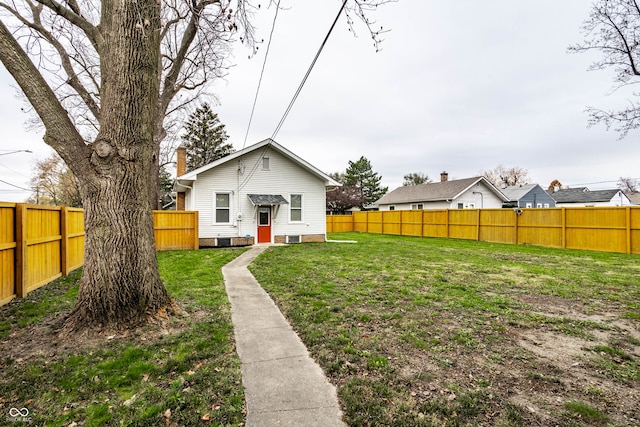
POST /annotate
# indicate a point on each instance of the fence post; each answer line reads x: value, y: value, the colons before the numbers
x: 196, y: 243
x: 564, y: 228
x: 366, y: 221
x: 628, y: 213
x: 478, y: 225
x: 64, y: 248
x: 21, y: 250
x: 515, y: 227
x: 446, y: 212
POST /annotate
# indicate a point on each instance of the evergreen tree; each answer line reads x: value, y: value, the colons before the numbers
x: 166, y: 188
x: 416, y: 178
x: 205, y: 138
x: 361, y: 175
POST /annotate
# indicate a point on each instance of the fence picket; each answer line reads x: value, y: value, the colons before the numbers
x: 600, y: 228
x: 38, y: 244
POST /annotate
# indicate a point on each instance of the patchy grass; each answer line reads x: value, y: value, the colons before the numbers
x: 427, y: 332
x: 184, y: 372
x: 584, y: 411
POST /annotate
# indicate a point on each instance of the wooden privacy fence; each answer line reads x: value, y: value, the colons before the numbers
x: 609, y: 229
x: 39, y: 244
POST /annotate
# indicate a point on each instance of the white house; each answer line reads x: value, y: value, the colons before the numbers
x: 468, y: 193
x: 261, y: 194
x: 582, y: 196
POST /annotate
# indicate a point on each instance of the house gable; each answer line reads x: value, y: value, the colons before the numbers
x: 272, y: 176
x: 470, y: 192
x: 528, y: 196
x: 267, y: 144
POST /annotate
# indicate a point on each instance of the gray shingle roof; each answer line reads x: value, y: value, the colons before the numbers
x: 431, y: 192
x: 634, y: 197
x: 517, y: 192
x: 267, y: 199
x: 582, y: 195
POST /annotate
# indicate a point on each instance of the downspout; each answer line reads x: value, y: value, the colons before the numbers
x: 190, y: 188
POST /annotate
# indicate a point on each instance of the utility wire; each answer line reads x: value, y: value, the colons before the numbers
x: 295, y: 96
x: 13, y: 185
x: 600, y: 182
x: 264, y: 63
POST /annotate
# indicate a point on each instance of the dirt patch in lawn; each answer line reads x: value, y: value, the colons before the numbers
x: 598, y: 367
x: 45, y: 338
x: 525, y: 373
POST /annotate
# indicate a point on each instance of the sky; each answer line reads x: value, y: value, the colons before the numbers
x: 460, y: 87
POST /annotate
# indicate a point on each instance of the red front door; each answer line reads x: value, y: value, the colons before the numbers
x: 264, y: 225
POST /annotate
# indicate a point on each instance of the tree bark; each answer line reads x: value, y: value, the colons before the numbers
x: 121, y: 283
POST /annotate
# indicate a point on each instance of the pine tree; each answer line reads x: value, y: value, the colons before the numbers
x: 360, y: 174
x: 205, y: 138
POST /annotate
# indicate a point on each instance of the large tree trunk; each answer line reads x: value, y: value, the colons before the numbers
x: 121, y: 285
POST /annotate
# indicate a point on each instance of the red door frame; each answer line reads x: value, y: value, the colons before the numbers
x: 264, y: 227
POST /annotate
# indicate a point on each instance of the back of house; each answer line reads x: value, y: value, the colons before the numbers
x: 262, y: 194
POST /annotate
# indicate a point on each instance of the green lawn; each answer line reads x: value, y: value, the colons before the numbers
x: 413, y: 332
x: 447, y: 332
x: 183, y: 373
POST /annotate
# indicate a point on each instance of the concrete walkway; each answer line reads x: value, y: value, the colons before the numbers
x: 283, y: 385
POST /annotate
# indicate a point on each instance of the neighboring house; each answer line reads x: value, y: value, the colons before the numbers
x: 582, y: 196
x: 634, y: 197
x: 261, y: 194
x: 476, y: 192
x: 527, y: 196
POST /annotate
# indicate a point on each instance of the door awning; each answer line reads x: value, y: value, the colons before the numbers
x: 267, y: 199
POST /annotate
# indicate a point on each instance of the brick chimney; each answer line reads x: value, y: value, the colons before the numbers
x: 181, y: 169
x: 181, y: 166
x: 444, y: 177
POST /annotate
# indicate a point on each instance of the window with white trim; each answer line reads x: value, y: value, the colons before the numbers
x: 265, y: 163
x: 392, y: 208
x: 223, y: 208
x: 538, y: 205
x: 529, y: 205
x: 417, y: 207
x: 295, y: 208
x: 546, y: 205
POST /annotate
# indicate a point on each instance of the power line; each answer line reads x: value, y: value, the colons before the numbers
x: 13, y: 170
x: 264, y: 64
x: 295, y: 96
x: 313, y: 63
x: 600, y: 182
x: 13, y: 185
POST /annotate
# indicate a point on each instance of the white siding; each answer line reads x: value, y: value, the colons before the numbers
x: 620, y: 199
x: 487, y: 200
x: 284, y: 177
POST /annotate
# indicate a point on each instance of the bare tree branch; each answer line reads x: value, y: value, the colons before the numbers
x: 65, y: 59
x: 61, y: 134
x: 76, y: 19
x: 613, y: 29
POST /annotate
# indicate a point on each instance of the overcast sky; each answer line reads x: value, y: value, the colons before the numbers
x: 458, y: 86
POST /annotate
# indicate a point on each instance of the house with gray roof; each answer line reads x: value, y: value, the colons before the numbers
x: 527, y: 196
x: 582, y: 196
x: 261, y: 194
x: 470, y: 193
